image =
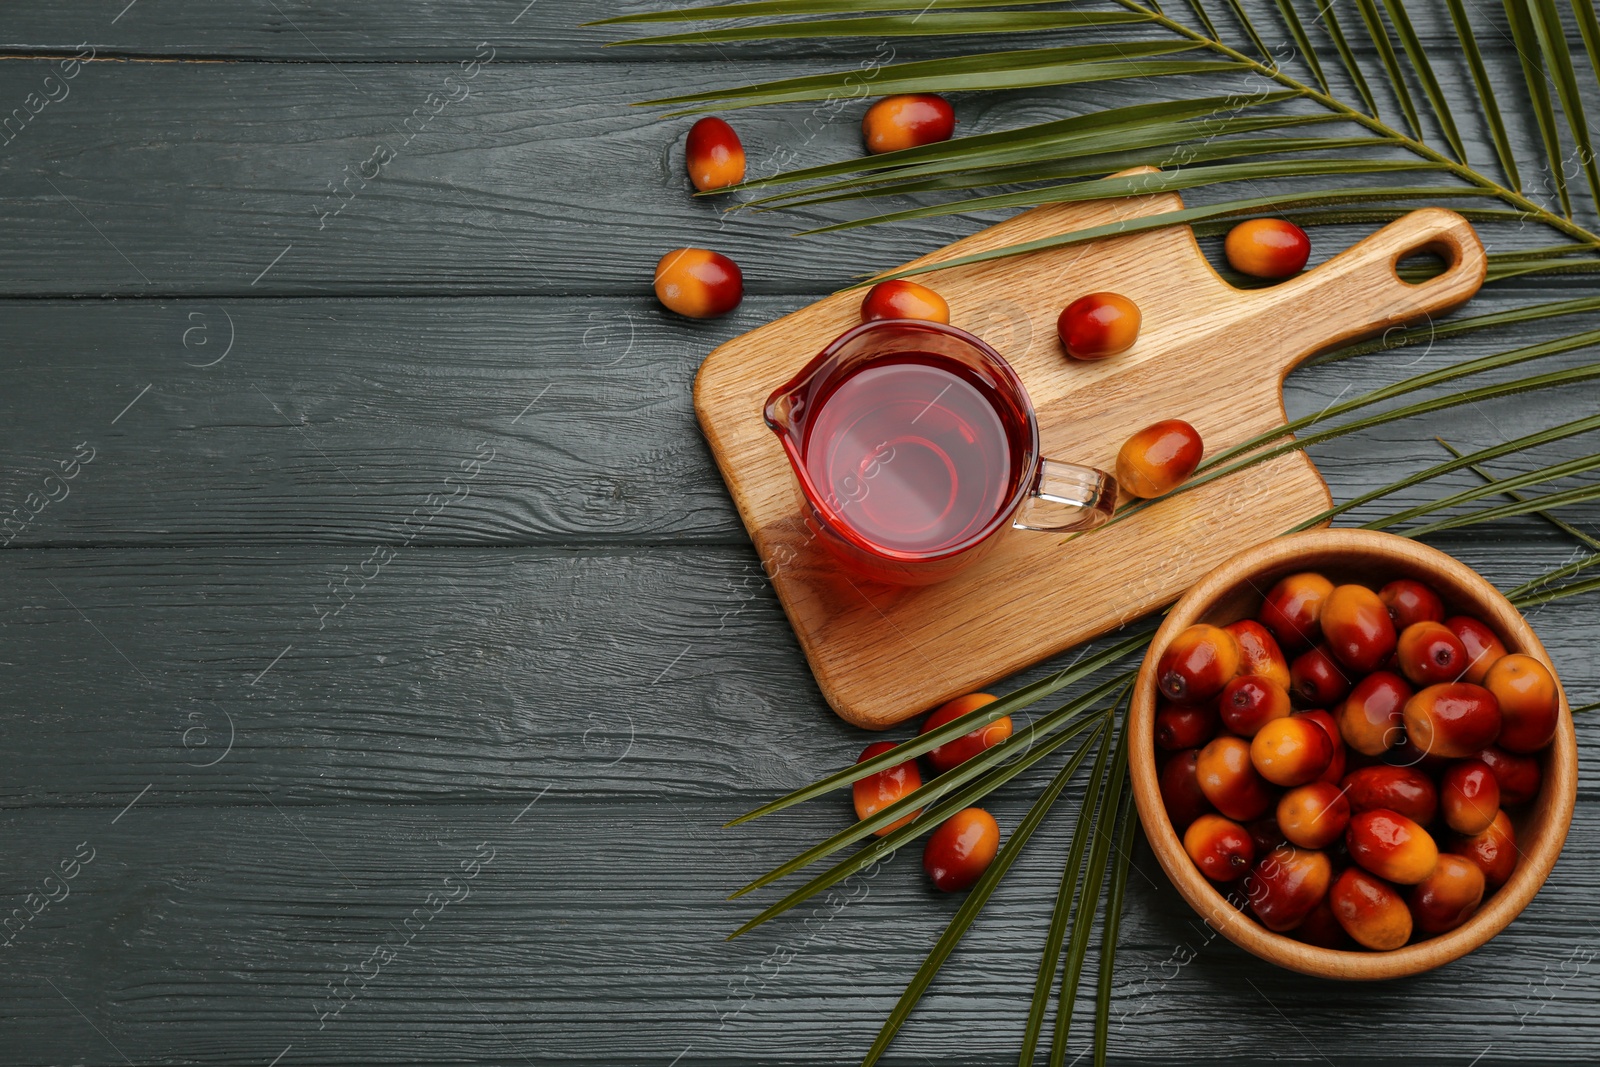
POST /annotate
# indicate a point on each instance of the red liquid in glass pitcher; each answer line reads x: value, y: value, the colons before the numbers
x: 916, y: 452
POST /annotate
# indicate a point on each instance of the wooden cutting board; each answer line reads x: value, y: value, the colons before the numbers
x: 1208, y: 353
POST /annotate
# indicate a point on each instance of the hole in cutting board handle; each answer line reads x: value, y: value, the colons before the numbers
x: 1425, y: 254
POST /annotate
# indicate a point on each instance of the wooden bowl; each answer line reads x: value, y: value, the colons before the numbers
x: 1235, y: 591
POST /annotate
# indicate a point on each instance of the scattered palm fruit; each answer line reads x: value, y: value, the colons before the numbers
x: 713, y: 154
x: 961, y: 849
x: 906, y: 121
x: 877, y: 791
x: 698, y: 283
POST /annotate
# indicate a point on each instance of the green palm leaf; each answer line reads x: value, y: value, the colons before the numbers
x: 1024, y: 69
x: 1430, y: 84
x: 1297, y: 31
x: 760, y: 8
x: 1081, y: 166
x: 1552, y: 43
x: 924, y: 25
x: 1391, y: 64
x: 1347, y: 56
x: 1544, y: 113
x: 1485, y: 87
x: 1146, y: 184
x: 1042, y: 140
x: 1164, y: 219
x: 977, y: 897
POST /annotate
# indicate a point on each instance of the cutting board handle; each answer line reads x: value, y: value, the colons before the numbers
x: 1360, y: 292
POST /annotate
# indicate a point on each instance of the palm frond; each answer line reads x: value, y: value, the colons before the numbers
x: 1418, y: 55
x: 763, y: 8
x: 1391, y: 64
x: 1027, y: 68
x: 1098, y: 165
x: 1544, y: 112
x: 1347, y: 56
x: 1146, y: 184
x: 1558, y: 60
x: 1486, y: 97
x: 924, y: 25
x: 977, y: 897
x: 1559, y: 523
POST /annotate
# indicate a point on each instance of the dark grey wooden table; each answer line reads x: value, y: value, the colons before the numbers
x: 386, y: 655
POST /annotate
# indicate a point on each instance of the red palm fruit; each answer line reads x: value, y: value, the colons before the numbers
x: 1291, y: 751
x: 1159, y: 458
x: 877, y: 791
x: 1197, y: 664
x: 1185, y: 725
x: 1267, y: 248
x: 1251, y: 701
x: 961, y: 849
x: 1517, y: 775
x: 1449, y: 896
x: 958, y: 750
x: 1313, y: 815
x: 1484, y: 649
x: 1494, y: 851
x: 1101, y: 325
x: 1221, y: 848
x: 907, y: 121
x: 1391, y: 846
x: 1452, y: 720
x: 1181, y: 794
x: 1370, y: 910
x: 1286, y: 884
x: 1370, y: 718
x: 1293, y: 609
x: 714, y: 155
x: 1266, y: 834
x: 1230, y: 782
x: 1320, y: 928
x: 1410, y: 602
x: 1316, y: 680
x: 1429, y: 653
x: 902, y: 299
x: 1530, y: 704
x: 1357, y: 628
x: 698, y: 283
x: 1335, y: 771
x: 1259, y: 652
x: 1402, y: 789
x: 1469, y: 796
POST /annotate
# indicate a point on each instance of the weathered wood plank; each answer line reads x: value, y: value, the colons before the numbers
x: 594, y: 934
x: 334, y: 420
x: 449, y: 675
x: 368, y: 30
x: 533, y: 179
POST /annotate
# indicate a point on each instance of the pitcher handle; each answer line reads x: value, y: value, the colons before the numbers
x: 1089, y: 495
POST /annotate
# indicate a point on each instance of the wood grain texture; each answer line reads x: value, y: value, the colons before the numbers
x: 457, y: 675
x: 195, y: 178
x: 374, y: 31
x: 332, y: 420
x: 1207, y: 353
x: 595, y: 936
